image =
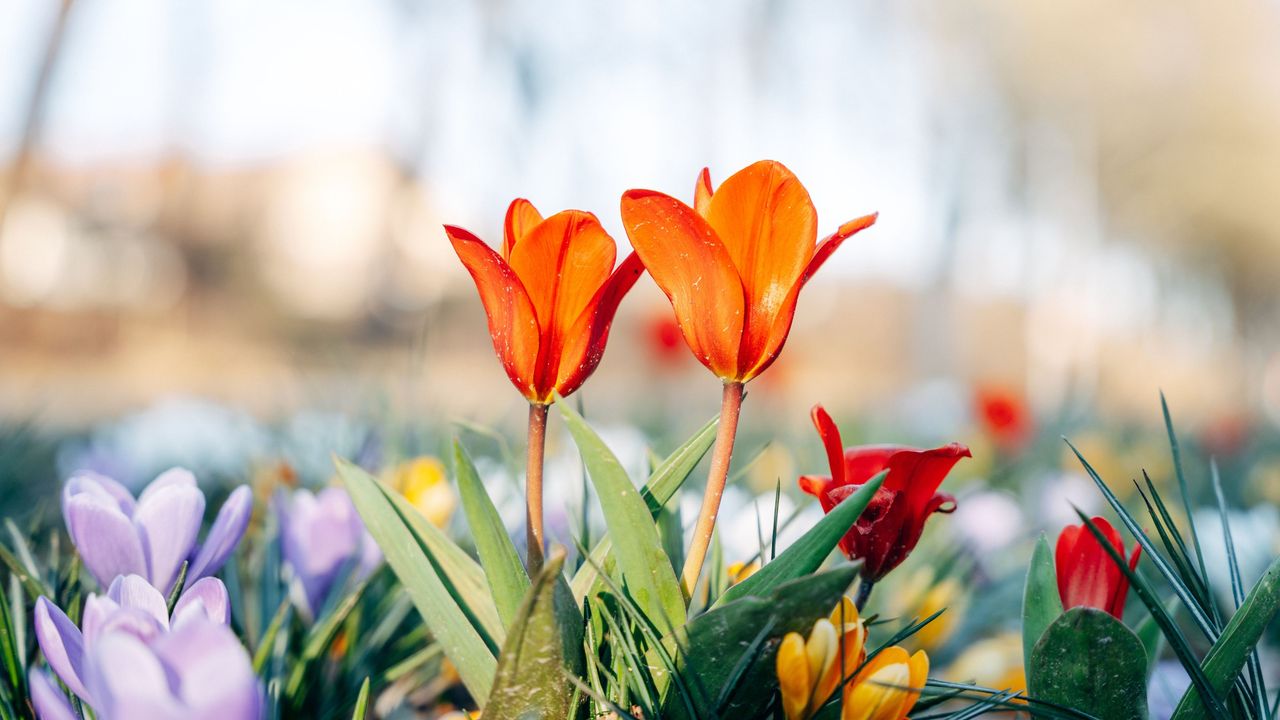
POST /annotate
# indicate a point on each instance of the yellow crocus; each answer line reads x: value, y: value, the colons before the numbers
x: 810, y: 670
x: 423, y: 483
x: 888, y: 687
x: 737, y: 572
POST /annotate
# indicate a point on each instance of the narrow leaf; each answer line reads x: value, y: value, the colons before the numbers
x: 502, y: 568
x: 362, y: 701
x: 407, y: 556
x: 646, y: 570
x: 1041, y: 603
x: 807, y: 554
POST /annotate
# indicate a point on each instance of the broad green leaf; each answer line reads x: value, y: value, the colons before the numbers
x: 544, y: 643
x: 727, y: 660
x: 663, y: 484
x: 1041, y: 604
x: 411, y: 560
x: 1238, y: 639
x: 502, y: 568
x: 362, y: 701
x: 646, y: 570
x: 462, y: 576
x: 1089, y: 661
x: 807, y: 554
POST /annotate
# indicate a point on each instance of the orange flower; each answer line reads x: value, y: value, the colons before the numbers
x: 550, y: 296
x: 734, y: 266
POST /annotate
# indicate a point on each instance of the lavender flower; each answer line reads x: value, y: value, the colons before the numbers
x: 132, y: 659
x: 322, y: 537
x: 152, y: 535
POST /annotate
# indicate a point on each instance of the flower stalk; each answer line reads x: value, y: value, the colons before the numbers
x: 533, y: 484
x: 730, y: 408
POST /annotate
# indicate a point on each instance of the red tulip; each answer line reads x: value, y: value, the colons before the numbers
x: 890, y: 527
x: 1087, y: 574
x: 550, y: 296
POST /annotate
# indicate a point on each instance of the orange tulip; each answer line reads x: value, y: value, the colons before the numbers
x: 733, y: 265
x: 550, y: 296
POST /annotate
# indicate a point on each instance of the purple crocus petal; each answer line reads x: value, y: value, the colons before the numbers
x: 173, y: 477
x: 62, y: 644
x: 215, y: 679
x: 100, y: 486
x: 129, y: 681
x: 127, y: 621
x: 206, y: 600
x: 105, y: 538
x: 49, y: 701
x: 168, y: 521
x: 98, y: 609
x: 133, y: 591
x: 228, y: 528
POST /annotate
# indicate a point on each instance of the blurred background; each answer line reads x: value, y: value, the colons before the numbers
x: 239, y: 202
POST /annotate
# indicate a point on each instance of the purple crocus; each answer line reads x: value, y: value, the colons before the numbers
x: 132, y: 659
x: 322, y: 536
x: 152, y: 535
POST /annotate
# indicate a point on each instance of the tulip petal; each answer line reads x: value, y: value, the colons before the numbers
x: 586, y: 341
x: 522, y: 216
x: 920, y: 473
x: 513, y: 324
x: 107, y: 541
x: 133, y: 591
x: 224, y: 536
x: 562, y: 262
x: 63, y: 646
x: 49, y: 702
x: 702, y: 193
x: 688, y: 261
x: 205, y: 600
x: 168, y: 520
x: 777, y: 334
x: 767, y: 223
x: 1087, y: 576
x: 831, y: 442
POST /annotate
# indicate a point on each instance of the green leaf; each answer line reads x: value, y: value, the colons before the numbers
x: 502, y: 568
x: 362, y: 701
x: 462, y: 576
x: 720, y: 643
x: 1089, y: 661
x: 807, y: 554
x: 1228, y: 655
x: 646, y: 570
x: 411, y: 559
x: 1041, y: 604
x: 543, y: 645
x: 663, y: 484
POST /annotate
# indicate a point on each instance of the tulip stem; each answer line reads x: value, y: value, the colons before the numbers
x: 864, y: 593
x: 533, y: 484
x: 730, y: 407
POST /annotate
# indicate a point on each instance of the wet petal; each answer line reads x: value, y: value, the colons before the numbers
x: 769, y: 227
x: 224, y: 536
x: 513, y: 324
x: 702, y: 192
x: 688, y: 261
x: 562, y: 263
x: 522, y: 216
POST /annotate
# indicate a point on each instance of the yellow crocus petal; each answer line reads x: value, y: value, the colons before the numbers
x: 422, y: 482
x: 793, y: 676
x: 878, y: 696
x: 947, y: 596
x: 845, y: 614
x: 821, y: 648
x: 845, y: 663
x: 918, y: 668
